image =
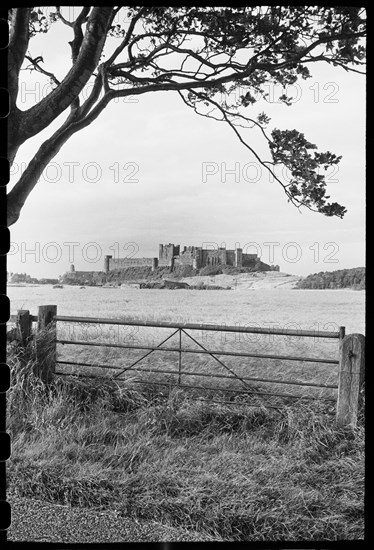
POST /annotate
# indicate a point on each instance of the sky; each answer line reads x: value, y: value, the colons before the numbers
x: 151, y: 171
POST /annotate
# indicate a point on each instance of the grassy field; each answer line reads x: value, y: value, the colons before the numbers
x: 222, y: 472
x: 226, y: 473
x: 307, y: 309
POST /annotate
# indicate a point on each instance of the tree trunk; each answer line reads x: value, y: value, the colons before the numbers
x: 16, y: 198
x: 26, y: 124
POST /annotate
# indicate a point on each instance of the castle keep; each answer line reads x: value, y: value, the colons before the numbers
x: 170, y: 255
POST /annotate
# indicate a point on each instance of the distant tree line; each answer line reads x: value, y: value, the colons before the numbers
x: 25, y: 278
x: 342, y: 278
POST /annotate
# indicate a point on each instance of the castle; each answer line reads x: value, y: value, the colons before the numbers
x: 170, y: 255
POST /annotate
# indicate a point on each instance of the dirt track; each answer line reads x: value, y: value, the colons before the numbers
x: 39, y: 521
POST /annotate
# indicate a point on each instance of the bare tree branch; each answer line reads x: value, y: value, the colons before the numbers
x: 226, y: 118
x: 35, y: 64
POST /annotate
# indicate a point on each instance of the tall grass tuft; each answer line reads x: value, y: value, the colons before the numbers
x: 28, y: 393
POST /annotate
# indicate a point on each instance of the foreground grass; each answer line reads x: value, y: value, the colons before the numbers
x: 228, y: 473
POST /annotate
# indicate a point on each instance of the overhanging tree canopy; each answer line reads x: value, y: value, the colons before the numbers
x: 203, y: 54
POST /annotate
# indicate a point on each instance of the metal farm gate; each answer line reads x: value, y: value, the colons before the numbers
x: 182, y: 332
x: 350, y: 360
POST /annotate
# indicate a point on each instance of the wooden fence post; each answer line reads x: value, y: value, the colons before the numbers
x: 45, y: 316
x: 23, y: 325
x: 46, y: 342
x: 351, y: 377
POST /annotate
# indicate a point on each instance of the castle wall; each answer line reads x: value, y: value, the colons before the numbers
x: 238, y: 257
x: 122, y: 263
x: 210, y: 257
x: 230, y: 257
x: 164, y: 262
x: 186, y: 257
x: 248, y: 260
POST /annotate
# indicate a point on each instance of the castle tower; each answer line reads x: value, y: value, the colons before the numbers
x: 238, y: 257
x: 160, y: 251
x: 223, y: 256
x: 154, y: 264
x: 72, y: 268
x: 169, y: 250
x: 197, y: 260
x: 107, y: 263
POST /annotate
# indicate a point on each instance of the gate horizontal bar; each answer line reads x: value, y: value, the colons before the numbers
x: 215, y: 352
x: 197, y: 326
x: 189, y: 373
x: 13, y: 318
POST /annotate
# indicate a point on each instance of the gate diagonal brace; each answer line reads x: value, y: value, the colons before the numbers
x: 221, y: 363
x: 146, y: 355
